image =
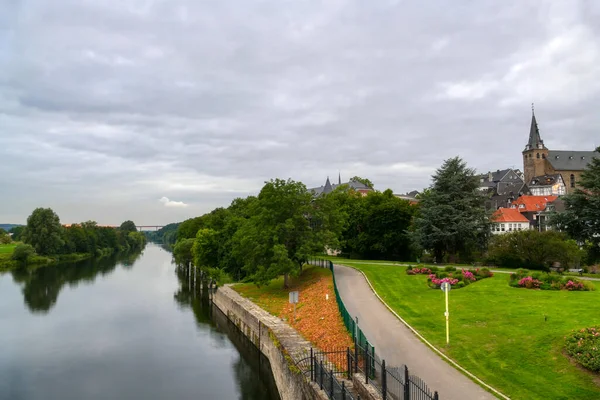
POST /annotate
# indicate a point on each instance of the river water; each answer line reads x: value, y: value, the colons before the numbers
x: 129, y: 328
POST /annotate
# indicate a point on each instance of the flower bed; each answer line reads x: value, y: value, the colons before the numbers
x: 458, y: 278
x: 416, y: 271
x: 584, y: 346
x: 545, y: 281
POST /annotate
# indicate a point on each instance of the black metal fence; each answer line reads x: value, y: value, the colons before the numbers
x: 391, y: 382
x: 327, y: 369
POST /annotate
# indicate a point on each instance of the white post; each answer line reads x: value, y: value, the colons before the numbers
x: 447, y: 319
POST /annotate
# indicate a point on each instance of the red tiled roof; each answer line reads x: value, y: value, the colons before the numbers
x: 508, y: 215
x: 533, y: 203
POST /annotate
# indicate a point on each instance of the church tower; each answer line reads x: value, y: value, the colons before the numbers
x: 535, y: 153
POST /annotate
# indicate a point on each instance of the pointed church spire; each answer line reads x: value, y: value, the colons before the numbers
x: 339, y: 178
x: 535, y: 140
x: 328, y: 188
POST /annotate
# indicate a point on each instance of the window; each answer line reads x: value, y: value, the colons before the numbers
x: 543, y: 156
x: 572, y: 180
x: 503, y: 227
x: 537, y: 155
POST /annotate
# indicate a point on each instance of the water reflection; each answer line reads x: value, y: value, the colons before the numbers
x: 252, y: 364
x: 42, y: 285
x: 115, y: 332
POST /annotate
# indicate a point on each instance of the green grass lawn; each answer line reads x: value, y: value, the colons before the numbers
x: 7, y: 248
x: 499, y: 333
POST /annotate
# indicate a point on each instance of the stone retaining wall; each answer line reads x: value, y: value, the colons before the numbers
x: 281, y: 344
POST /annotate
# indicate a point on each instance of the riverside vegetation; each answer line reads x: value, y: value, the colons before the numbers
x: 45, y: 241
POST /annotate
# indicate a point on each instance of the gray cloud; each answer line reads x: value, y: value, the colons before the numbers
x: 107, y: 106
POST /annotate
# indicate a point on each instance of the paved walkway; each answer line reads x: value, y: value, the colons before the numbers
x: 397, y: 344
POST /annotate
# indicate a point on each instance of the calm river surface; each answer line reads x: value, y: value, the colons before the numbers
x: 121, y: 329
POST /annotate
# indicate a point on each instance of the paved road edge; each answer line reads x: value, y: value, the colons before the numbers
x: 445, y: 357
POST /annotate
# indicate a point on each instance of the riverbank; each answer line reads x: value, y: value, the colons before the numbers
x: 7, y: 263
x: 37, y: 261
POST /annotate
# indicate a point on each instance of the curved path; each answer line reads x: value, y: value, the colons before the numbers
x: 397, y: 344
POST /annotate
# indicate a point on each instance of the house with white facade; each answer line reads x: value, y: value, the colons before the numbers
x: 547, y: 185
x: 508, y: 220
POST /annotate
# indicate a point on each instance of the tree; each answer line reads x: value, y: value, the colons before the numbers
x: 44, y: 232
x: 189, y: 228
x: 534, y: 250
x: 128, y: 226
x: 17, y: 233
x: 4, y: 237
x: 22, y: 253
x: 206, y: 252
x: 452, y: 218
x: 285, y: 228
x: 183, y: 252
x: 364, y: 181
x: 581, y: 218
x: 374, y: 226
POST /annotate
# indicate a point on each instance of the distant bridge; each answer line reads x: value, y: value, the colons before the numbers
x: 149, y: 227
x: 139, y: 227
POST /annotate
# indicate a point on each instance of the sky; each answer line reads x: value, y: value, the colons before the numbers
x: 158, y: 111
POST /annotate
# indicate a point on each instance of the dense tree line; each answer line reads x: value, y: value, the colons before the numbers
x: 261, y: 237
x: 47, y: 237
x: 166, y: 235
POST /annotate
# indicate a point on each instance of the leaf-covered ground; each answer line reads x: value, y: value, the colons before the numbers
x: 317, y: 315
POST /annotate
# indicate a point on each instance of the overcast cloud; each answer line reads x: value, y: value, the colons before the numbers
x: 157, y: 111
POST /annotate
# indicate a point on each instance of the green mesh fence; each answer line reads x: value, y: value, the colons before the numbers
x: 357, y: 334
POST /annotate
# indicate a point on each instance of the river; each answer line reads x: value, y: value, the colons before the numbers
x: 121, y: 328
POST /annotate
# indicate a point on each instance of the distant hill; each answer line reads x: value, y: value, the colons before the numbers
x: 8, y: 227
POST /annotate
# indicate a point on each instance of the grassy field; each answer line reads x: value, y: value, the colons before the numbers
x: 511, y: 338
x: 7, y: 248
x: 317, y: 317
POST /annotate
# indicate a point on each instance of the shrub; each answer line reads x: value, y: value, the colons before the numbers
x: 460, y: 279
x: 450, y: 269
x: 484, y: 272
x: 415, y: 271
x: 584, y: 346
x: 533, y: 249
x: 5, y: 238
x: 545, y: 281
x: 23, y: 252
